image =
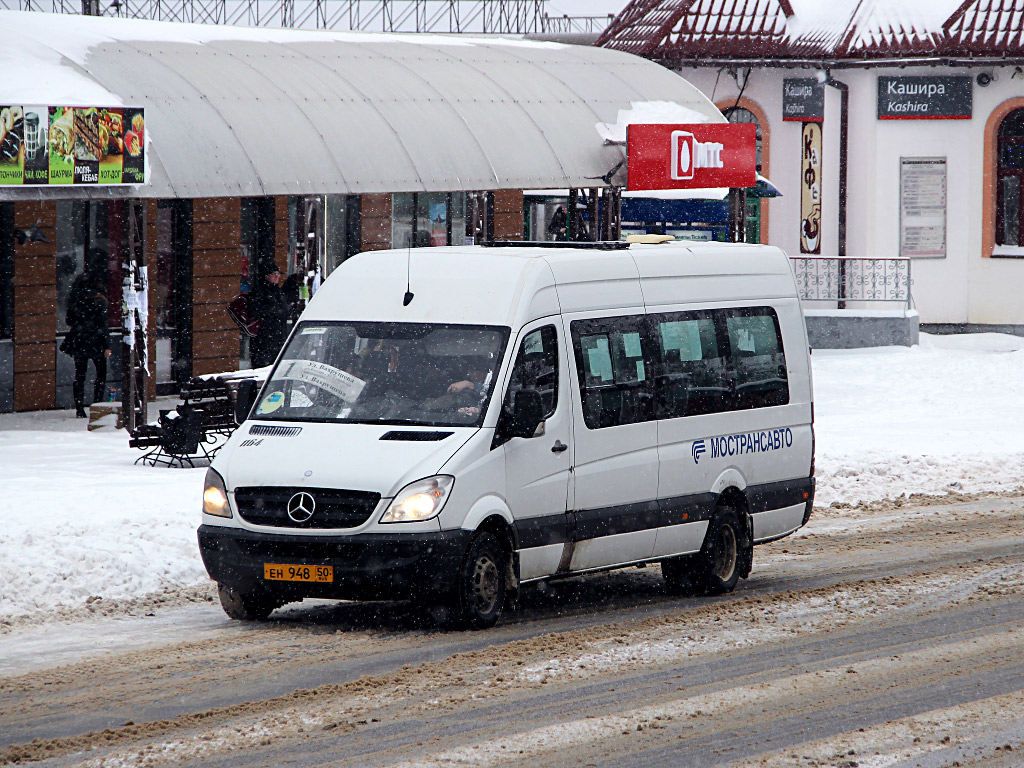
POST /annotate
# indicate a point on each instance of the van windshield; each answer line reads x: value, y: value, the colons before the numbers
x: 385, y: 373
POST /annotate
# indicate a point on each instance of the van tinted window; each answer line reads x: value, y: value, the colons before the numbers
x: 536, y: 368
x: 691, y: 377
x: 614, y: 376
x: 758, y: 360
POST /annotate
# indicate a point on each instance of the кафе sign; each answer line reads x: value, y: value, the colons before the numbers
x: 691, y: 156
x: 924, y: 98
x: 46, y: 145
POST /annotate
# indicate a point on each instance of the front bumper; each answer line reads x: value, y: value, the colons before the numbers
x: 369, y: 566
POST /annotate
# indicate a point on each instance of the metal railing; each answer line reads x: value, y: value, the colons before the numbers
x: 517, y: 17
x: 566, y: 25
x: 828, y: 278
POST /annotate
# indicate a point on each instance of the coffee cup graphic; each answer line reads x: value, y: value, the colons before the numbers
x: 32, y: 138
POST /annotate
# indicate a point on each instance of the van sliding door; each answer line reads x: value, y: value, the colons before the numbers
x: 616, y: 469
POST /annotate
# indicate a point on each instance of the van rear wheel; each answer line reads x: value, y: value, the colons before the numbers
x: 481, y: 590
x: 244, y: 606
x: 717, y: 565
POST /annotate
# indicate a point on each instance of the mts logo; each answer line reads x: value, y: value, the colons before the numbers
x: 689, y: 154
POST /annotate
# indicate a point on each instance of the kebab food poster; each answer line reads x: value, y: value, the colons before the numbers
x: 72, y: 145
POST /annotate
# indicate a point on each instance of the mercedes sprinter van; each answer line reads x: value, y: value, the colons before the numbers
x: 447, y: 424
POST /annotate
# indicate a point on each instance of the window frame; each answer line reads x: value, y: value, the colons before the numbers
x: 608, y: 325
x: 736, y: 402
x: 721, y: 341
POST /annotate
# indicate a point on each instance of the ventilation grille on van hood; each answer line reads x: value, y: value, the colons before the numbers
x: 416, y: 437
x: 264, y: 431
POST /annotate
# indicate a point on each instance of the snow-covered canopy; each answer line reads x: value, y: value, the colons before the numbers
x: 235, y: 111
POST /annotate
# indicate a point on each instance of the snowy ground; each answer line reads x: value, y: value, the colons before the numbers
x: 81, y: 521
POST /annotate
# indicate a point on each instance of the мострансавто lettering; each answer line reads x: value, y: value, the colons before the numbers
x: 751, y: 442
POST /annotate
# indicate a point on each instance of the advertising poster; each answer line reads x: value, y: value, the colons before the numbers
x: 810, y: 189
x: 48, y: 145
x: 438, y: 224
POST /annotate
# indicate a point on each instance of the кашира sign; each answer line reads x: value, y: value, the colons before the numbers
x: 72, y: 145
x: 924, y: 98
x: 803, y: 99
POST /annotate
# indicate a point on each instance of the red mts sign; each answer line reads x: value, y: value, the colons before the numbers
x: 691, y: 156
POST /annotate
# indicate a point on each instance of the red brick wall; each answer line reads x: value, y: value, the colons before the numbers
x: 216, y: 264
x: 508, y: 214
x: 35, y: 310
x: 374, y: 222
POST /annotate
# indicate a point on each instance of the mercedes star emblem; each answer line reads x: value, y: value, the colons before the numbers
x: 301, y: 507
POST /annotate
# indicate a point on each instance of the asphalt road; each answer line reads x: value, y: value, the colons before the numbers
x: 882, y: 636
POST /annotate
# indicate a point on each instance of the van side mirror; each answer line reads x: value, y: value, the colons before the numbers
x: 527, y: 413
x: 246, y: 397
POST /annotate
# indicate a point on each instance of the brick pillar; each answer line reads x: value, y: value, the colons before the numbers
x: 151, y: 267
x: 216, y: 265
x: 35, y: 309
x: 508, y: 214
x: 374, y: 222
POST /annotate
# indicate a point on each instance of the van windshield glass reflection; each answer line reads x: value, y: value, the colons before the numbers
x: 385, y: 373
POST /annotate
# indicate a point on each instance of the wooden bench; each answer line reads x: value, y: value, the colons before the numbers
x: 197, y: 426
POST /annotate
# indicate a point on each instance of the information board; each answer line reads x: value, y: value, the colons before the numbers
x: 923, y: 207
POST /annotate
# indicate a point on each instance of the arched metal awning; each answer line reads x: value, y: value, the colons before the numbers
x: 241, y: 111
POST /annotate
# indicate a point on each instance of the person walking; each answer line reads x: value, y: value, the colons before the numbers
x: 88, y: 337
x: 269, y: 305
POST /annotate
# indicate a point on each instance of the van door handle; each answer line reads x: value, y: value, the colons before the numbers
x: 559, y: 446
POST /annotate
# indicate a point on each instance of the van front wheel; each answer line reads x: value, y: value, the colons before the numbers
x: 717, y: 565
x: 481, y: 588
x: 244, y: 606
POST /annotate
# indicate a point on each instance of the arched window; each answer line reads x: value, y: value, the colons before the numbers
x: 741, y: 115
x: 1010, y: 183
x: 752, y: 223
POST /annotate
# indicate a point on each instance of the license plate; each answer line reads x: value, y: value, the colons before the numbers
x: 283, y: 572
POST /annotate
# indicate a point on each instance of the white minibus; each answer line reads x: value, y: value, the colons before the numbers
x: 448, y: 424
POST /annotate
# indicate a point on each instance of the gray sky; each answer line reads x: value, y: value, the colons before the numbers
x: 584, y: 7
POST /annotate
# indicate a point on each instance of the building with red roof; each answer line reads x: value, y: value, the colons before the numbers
x: 924, y: 99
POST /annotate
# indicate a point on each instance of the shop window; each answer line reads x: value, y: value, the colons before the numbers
x: 91, y: 237
x: 425, y: 219
x: 6, y: 270
x: 1010, y: 174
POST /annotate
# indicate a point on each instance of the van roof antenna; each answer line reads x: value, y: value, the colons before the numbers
x: 407, y: 299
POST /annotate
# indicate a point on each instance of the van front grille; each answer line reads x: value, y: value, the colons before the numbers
x: 331, y: 508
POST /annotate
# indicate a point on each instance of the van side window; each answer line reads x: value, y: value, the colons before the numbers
x: 759, y: 363
x: 536, y: 368
x: 615, y: 383
x: 691, y: 378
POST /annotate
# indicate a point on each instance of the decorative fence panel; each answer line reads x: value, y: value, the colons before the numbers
x: 825, y: 278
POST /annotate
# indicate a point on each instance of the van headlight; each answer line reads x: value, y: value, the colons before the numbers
x: 422, y: 500
x: 215, y: 496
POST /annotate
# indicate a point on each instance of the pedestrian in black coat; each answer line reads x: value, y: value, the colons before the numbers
x: 267, y: 303
x: 88, y: 337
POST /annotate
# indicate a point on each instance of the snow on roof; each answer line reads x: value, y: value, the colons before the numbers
x: 786, y: 29
x: 234, y: 111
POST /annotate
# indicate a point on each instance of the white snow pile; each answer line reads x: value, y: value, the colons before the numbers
x: 80, y: 520
x: 649, y: 112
